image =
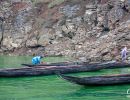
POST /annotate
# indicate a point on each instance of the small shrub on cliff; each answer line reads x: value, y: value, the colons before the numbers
x: 54, y: 3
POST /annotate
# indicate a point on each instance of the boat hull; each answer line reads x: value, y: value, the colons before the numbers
x: 99, y: 80
x: 52, y: 69
x: 44, y: 70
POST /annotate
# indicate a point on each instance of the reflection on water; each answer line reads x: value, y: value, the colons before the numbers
x: 125, y: 70
x: 54, y: 88
x: 96, y: 91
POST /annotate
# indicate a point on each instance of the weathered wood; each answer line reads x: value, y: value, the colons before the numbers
x: 50, y: 70
x: 57, y: 64
x: 114, y: 65
x: 44, y: 70
x: 99, y: 80
x: 110, y: 65
x: 51, y: 64
x: 67, y: 64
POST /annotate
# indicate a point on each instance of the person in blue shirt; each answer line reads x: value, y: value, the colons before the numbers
x: 36, y: 60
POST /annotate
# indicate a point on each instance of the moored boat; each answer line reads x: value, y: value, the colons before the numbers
x: 109, y: 64
x: 52, y: 69
x: 45, y: 70
x: 99, y: 80
x: 55, y: 64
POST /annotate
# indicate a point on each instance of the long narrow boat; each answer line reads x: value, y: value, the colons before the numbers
x: 54, y: 64
x: 70, y: 63
x: 109, y: 65
x: 59, y: 64
x: 50, y: 70
x: 99, y: 80
x: 45, y: 70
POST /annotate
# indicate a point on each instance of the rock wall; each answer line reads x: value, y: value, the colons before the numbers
x: 89, y: 30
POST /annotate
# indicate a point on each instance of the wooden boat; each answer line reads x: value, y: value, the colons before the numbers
x: 99, y: 80
x: 58, y: 64
x: 105, y: 65
x: 71, y: 63
x: 45, y: 70
x: 53, y: 64
x: 50, y: 70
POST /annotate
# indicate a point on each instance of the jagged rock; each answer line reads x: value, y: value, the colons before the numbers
x: 69, y: 30
x: 115, y: 15
x: 69, y: 11
x: 44, y: 41
x: 90, y: 17
x: 8, y: 42
x: 90, y: 6
x: 77, y: 21
x: 127, y: 5
x: 107, y: 57
x: 31, y: 42
x: 87, y: 30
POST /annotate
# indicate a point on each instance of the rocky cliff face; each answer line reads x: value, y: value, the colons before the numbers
x: 89, y: 30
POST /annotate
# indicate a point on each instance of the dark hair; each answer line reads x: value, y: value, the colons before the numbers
x: 41, y: 56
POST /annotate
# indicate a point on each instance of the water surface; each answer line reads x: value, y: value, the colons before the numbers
x: 54, y: 88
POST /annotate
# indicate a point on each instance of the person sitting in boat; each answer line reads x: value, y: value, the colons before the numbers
x: 36, y: 60
x: 124, y: 53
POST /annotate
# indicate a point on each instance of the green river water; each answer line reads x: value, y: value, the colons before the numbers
x: 53, y: 88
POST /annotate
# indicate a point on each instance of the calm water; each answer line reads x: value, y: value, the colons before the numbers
x: 53, y: 88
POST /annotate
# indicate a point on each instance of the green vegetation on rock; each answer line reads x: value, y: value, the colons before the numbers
x: 54, y: 3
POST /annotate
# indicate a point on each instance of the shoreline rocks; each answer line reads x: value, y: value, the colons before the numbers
x: 85, y: 30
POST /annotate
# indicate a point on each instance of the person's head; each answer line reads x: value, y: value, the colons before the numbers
x: 41, y: 56
x: 33, y: 54
x: 125, y: 47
